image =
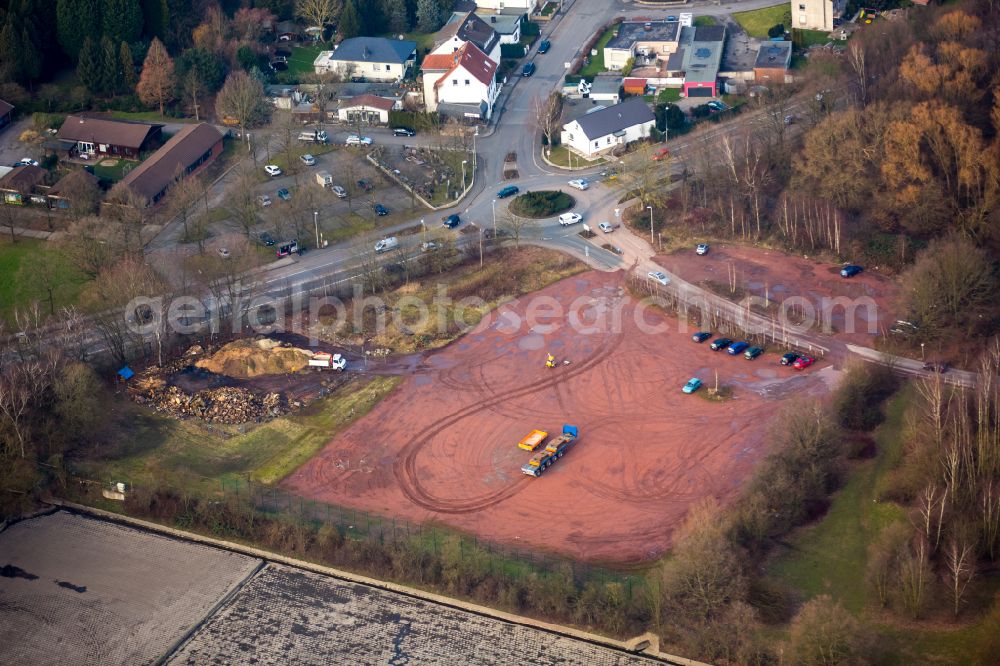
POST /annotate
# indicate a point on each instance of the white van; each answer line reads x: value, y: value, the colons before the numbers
x: 339, y: 191
x: 387, y: 244
x: 324, y: 178
x: 307, y: 136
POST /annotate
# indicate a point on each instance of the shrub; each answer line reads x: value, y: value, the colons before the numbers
x: 541, y: 203
x: 511, y: 50
x: 857, y: 401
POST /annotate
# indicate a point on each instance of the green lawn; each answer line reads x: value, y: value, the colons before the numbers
x: 807, y: 38
x: 190, y: 456
x: 759, y: 21
x: 560, y: 156
x: 597, y: 62
x: 148, y: 117
x: 21, y: 284
x: 113, y: 169
x: 301, y: 60
x: 704, y: 20
x: 668, y: 95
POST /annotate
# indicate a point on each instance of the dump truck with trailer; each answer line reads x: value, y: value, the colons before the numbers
x: 553, y: 451
x: 531, y: 441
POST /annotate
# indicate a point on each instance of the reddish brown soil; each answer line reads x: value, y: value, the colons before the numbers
x: 444, y: 446
x: 784, y: 275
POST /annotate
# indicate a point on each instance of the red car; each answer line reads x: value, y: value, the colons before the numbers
x: 803, y: 362
x: 660, y: 154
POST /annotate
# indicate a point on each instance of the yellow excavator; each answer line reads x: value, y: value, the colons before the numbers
x: 550, y: 361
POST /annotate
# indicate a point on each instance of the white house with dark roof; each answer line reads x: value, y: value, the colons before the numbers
x: 369, y: 58
x: 468, y: 28
x: 606, y: 128
x: 461, y: 84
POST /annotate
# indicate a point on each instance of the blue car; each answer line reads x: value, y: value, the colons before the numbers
x: 284, y: 194
x: 701, y: 336
x: 850, y: 271
x: 380, y: 210
x: 529, y: 69
x: 544, y: 46
x: 720, y: 343
x: 737, y: 348
x: 508, y: 191
x: 452, y: 221
x: 693, y: 385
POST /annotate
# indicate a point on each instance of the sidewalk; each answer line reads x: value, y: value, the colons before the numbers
x: 29, y: 233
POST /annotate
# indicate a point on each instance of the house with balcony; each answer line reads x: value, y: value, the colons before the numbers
x: 369, y: 59
x: 462, y: 84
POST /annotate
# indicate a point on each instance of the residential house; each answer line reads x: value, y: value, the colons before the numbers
x: 369, y: 58
x: 462, y: 84
x: 816, y: 14
x: 524, y: 6
x: 507, y: 23
x: 772, y: 63
x: 6, y: 113
x: 366, y: 109
x: 186, y: 153
x: 469, y: 28
x: 608, y: 127
x: 56, y: 198
x: 88, y: 137
x: 647, y: 40
x: 700, y: 55
x: 18, y: 184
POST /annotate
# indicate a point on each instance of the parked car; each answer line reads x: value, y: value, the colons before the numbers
x: 365, y: 185
x: 26, y: 161
x: 544, y: 46
x: 266, y: 239
x: 272, y: 170
x: 660, y: 154
x: 223, y: 252
x: 605, y: 227
x: 263, y: 200
x: 579, y: 184
x: 701, y: 336
x: 752, y: 353
x: 702, y: 248
x: 284, y: 194
x: 789, y: 358
x: 803, y: 362
x: 737, y: 348
x: 567, y: 219
x: 339, y: 191
x: 403, y: 131
x: 935, y: 367
x: 716, y: 106
x: 850, y: 271
x: 659, y: 276
x: 508, y: 191
x: 307, y: 159
x: 789, y: 119
x: 355, y: 140
x: 528, y: 69
x: 451, y: 221
x: 380, y: 210
x: 720, y: 343
x: 903, y: 327
x: 429, y: 245
x: 671, y: 18
x: 692, y: 385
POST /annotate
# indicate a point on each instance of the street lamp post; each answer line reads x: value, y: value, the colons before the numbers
x: 464, y: 162
x: 474, y: 155
x: 650, y: 224
x: 316, y: 226
x: 494, y: 219
x: 921, y: 351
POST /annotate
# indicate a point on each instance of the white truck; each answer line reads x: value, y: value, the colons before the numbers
x: 328, y: 361
x: 386, y: 244
x: 324, y: 178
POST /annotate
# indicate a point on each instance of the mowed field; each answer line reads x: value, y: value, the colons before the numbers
x: 444, y: 445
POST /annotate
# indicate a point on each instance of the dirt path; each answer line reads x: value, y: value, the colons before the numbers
x: 443, y: 447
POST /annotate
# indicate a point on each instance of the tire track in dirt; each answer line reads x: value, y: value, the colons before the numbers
x: 405, y: 468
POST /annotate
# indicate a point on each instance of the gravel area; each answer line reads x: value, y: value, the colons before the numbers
x: 75, y: 590
x: 286, y: 616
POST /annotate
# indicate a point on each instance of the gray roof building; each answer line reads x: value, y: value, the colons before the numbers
x: 631, y: 32
x: 374, y: 49
x: 617, y: 118
x: 774, y: 55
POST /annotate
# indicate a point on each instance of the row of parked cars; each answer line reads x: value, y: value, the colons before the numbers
x: 750, y: 352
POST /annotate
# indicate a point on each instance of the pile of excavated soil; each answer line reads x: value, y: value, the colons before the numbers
x: 254, y: 358
x: 232, y: 405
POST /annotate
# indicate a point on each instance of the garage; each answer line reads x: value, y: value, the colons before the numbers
x: 700, y: 92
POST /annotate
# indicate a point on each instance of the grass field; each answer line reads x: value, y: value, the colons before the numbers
x: 148, y: 117
x: 705, y: 20
x: 113, y: 169
x: 596, y: 65
x: 198, y: 457
x: 759, y: 21
x: 20, y: 284
x: 560, y: 156
x: 807, y: 38
x: 301, y: 60
x: 668, y: 95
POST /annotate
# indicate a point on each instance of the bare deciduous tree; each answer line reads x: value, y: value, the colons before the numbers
x: 547, y: 113
x: 960, y: 567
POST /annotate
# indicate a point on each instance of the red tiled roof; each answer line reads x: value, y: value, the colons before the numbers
x: 184, y: 148
x: 469, y: 58
x: 370, y: 100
